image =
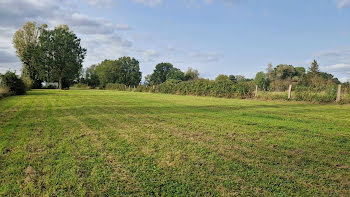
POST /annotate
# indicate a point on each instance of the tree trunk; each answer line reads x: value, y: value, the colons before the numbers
x: 60, y: 83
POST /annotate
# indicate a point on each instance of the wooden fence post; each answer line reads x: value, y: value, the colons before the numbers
x: 339, y: 93
x: 290, y: 91
x: 256, y: 90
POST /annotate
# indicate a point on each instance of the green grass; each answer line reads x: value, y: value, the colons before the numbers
x: 93, y: 142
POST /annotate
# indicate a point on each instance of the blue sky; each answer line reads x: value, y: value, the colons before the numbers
x: 213, y: 36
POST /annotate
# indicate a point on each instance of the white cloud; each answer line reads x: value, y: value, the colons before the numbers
x: 342, y: 3
x: 339, y: 55
x: 344, y: 79
x: 343, y: 68
x: 100, y: 3
x: 203, y: 56
x: 123, y: 27
x: 101, y: 37
x: 170, y: 48
x: 150, y: 55
x: 336, y: 62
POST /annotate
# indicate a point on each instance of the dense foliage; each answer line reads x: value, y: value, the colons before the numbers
x: 163, y: 72
x: 90, y: 77
x: 49, y: 55
x: 12, y: 83
x: 280, y: 77
x: 312, y: 85
x: 200, y: 87
x: 26, y: 43
x: 125, y: 70
x: 64, y: 55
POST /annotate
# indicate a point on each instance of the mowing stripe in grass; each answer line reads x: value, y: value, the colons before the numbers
x: 123, y: 143
x: 172, y: 124
x: 200, y: 150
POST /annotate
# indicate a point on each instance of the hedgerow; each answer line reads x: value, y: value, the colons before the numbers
x: 229, y: 89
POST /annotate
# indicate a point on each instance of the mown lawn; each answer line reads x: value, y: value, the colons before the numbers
x: 94, y: 142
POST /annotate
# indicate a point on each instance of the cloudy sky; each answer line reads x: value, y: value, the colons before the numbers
x: 213, y: 36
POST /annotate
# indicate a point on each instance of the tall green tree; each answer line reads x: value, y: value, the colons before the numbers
x: 191, y: 74
x: 63, y: 54
x: 160, y: 73
x: 175, y: 74
x: 91, y: 77
x: 240, y: 78
x: 147, y: 81
x: 284, y: 71
x: 314, y: 68
x: 300, y: 71
x: 261, y: 80
x: 129, y: 72
x: 26, y: 43
x: 222, y: 77
x: 107, y: 72
x: 232, y: 78
x: 125, y: 70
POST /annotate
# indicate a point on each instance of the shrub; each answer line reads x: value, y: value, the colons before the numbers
x: 13, y: 83
x: 303, y: 93
x: 243, y: 89
x: 27, y: 81
x: 4, y: 92
x: 331, y: 94
x: 81, y: 86
x: 115, y: 86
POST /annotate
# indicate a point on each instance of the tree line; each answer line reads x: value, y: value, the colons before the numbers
x: 126, y: 71
x: 280, y: 77
x: 56, y: 55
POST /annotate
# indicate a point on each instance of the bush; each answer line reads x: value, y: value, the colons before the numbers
x: 4, y: 92
x: 115, y: 86
x: 244, y: 89
x: 27, y: 81
x: 81, y: 86
x: 13, y: 83
x: 331, y: 94
x: 303, y: 93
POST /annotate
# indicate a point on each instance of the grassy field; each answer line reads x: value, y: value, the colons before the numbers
x: 93, y: 142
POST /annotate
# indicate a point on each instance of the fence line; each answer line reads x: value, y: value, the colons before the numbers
x: 338, y: 94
